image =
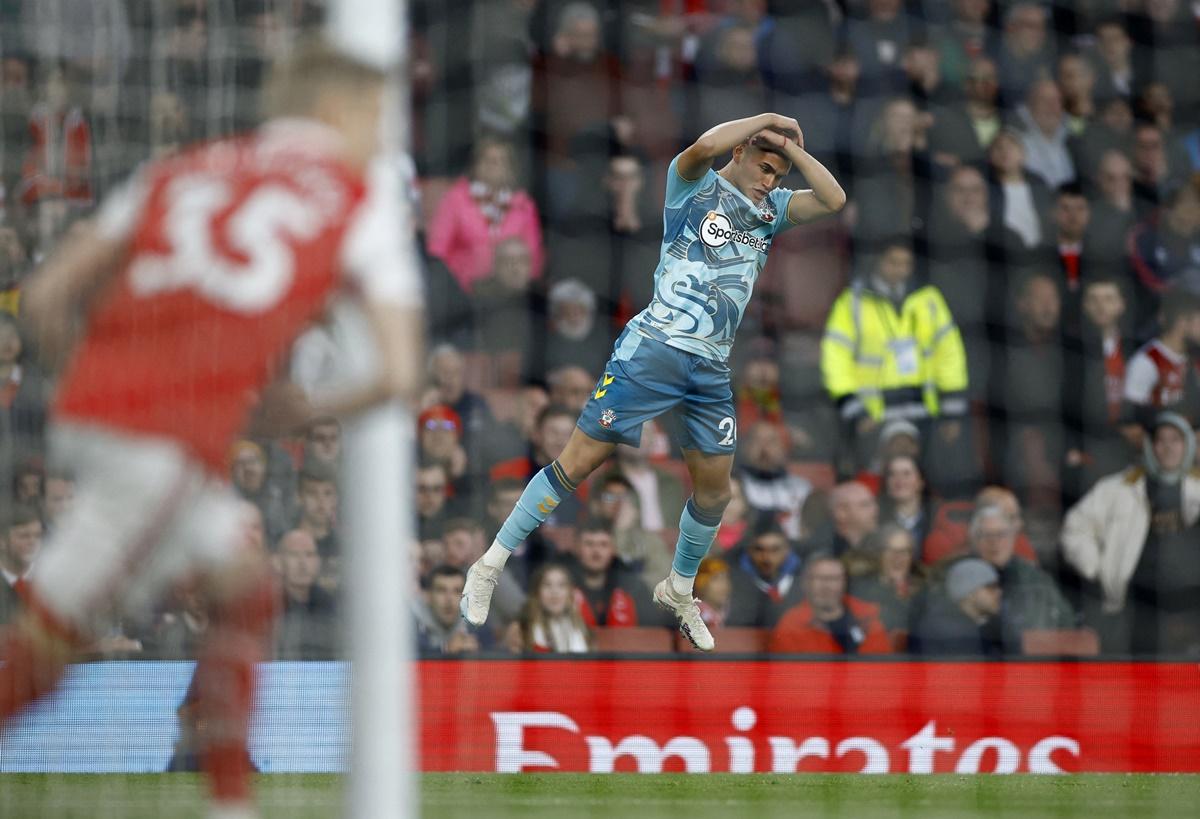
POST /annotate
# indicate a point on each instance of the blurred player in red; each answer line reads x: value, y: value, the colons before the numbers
x: 173, y: 308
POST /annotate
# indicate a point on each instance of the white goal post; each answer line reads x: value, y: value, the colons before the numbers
x: 377, y: 475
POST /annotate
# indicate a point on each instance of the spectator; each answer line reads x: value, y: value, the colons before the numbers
x: 966, y: 132
x: 1077, y: 82
x: 904, y: 501
x: 575, y: 337
x: 1093, y: 389
x: 20, y: 542
x: 714, y: 590
x: 439, y: 440
x: 659, y: 491
x: 609, y: 594
x: 323, y: 441
x: 479, y: 211
x: 1151, y: 167
x: 513, y: 434
x: 878, y: 43
x: 1022, y: 202
x: 448, y: 373
x: 735, y: 521
x: 1161, y: 375
x: 896, y: 438
x: 1110, y: 130
x: 616, y: 506
x: 318, y: 493
x: 432, y: 489
x: 24, y: 395
x: 571, y: 386
x: 503, y: 77
x: 1031, y: 598
x: 950, y: 534
x: 892, y: 185
x: 59, y: 161
x: 463, y: 543
x: 1026, y: 51
x: 1165, y: 248
x: 503, y: 303
x: 836, y: 103
x: 1167, y: 49
x: 555, y: 426
x: 893, y: 579
x: 550, y: 621
x: 1044, y: 132
x: 14, y: 262
x: 768, y: 485
x: 1026, y: 380
x: 1132, y: 540
x: 308, y: 627
x: 855, y: 515
x: 248, y: 471
x: 758, y: 395
x: 891, y: 350
x: 58, y: 495
x: 968, y: 619
x: 179, y: 632
x: 1113, y: 210
x: 967, y: 38
x: 440, y: 627
x: 764, y: 576
x: 1076, y: 258
x: 729, y: 86
x: 1114, y: 66
x: 829, y: 621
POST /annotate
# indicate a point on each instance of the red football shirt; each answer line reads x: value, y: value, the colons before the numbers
x: 234, y: 248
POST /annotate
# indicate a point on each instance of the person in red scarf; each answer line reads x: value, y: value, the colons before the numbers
x: 765, y: 576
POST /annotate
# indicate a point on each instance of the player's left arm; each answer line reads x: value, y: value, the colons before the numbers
x: 826, y: 196
x: 56, y: 298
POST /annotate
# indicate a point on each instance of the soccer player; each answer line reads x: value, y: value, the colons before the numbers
x: 717, y: 230
x: 175, y: 306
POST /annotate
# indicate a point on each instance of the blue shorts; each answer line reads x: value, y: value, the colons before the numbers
x: 645, y: 378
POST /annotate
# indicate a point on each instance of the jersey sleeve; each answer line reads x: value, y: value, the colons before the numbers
x: 379, y: 250
x: 680, y: 190
x: 117, y: 217
x: 1140, y: 378
x: 781, y: 198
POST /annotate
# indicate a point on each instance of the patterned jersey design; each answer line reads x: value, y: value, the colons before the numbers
x: 715, y: 243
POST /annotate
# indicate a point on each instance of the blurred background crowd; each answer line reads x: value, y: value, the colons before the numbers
x: 966, y: 405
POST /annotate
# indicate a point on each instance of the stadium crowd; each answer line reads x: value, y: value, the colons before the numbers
x: 966, y: 407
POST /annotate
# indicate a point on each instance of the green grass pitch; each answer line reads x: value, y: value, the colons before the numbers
x: 567, y: 796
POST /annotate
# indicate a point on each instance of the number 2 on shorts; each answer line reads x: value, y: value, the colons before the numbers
x: 728, y: 425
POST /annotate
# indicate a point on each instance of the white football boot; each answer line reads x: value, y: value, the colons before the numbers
x: 691, y: 624
x: 477, y: 592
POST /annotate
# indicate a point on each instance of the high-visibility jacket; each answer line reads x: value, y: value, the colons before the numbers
x: 886, y: 363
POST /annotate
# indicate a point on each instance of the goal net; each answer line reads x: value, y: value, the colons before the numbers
x: 91, y: 90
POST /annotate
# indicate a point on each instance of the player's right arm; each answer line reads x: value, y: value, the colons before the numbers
x: 698, y: 157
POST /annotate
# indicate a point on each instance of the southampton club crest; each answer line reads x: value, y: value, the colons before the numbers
x: 608, y: 418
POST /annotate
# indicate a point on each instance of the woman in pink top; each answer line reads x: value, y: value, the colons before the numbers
x: 478, y: 212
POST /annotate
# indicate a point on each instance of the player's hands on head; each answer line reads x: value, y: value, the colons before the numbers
x: 789, y: 127
x: 769, y: 140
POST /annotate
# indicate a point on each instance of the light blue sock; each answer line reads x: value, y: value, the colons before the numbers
x: 541, y: 496
x: 697, y: 530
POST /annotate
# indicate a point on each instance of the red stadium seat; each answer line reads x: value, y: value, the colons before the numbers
x: 732, y: 640
x: 818, y: 473
x: 1082, y: 642
x: 635, y: 640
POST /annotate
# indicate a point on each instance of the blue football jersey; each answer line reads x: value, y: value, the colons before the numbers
x: 715, y: 243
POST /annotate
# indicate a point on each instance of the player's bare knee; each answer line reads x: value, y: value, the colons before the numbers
x: 713, y: 498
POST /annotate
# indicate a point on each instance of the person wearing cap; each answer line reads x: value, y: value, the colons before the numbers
x: 1132, y: 540
x: 1033, y: 599
x: 439, y: 440
x: 967, y: 618
x: 891, y: 349
x: 896, y: 437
